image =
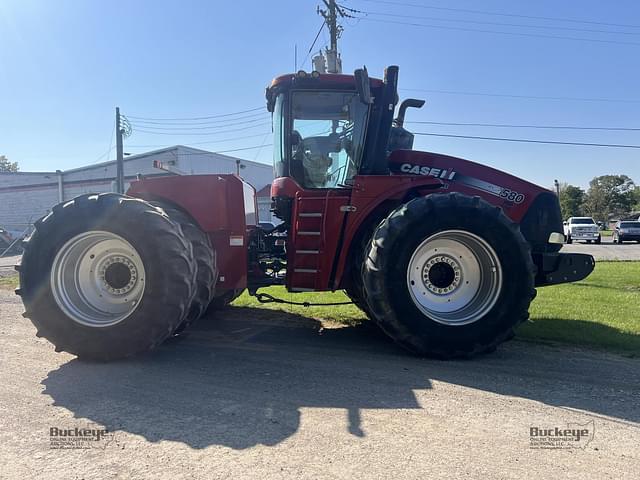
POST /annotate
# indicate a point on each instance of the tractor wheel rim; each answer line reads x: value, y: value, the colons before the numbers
x: 98, y: 279
x: 454, y: 277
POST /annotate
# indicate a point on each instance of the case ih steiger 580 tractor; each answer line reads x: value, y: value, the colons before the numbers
x: 442, y: 253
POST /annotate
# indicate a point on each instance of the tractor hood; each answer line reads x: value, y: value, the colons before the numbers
x: 535, y: 208
x: 466, y: 175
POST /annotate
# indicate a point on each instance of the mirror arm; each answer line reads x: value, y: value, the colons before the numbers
x: 362, y: 85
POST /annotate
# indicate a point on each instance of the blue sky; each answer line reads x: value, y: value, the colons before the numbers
x: 65, y: 65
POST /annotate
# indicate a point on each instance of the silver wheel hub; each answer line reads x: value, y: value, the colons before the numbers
x: 454, y: 277
x: 441, y: 274
x: 97, y: 279
x: 118, y: 275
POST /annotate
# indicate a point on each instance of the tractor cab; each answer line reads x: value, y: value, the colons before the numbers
x: 329, y: 128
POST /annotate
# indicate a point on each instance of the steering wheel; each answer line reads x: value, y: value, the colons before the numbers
x: 321, y: 145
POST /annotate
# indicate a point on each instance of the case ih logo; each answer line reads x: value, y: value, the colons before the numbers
x: 430, y: 171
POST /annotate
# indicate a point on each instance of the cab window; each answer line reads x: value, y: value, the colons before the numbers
x: 327, y: 136
x: 279, y: 160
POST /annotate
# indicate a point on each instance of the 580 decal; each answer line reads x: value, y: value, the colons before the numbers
x: 512, y: 195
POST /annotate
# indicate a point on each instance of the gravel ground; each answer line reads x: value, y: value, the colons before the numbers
x: 7, y: 264
x: 253, y: 394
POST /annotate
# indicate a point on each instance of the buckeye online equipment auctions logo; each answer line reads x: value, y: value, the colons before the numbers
x: 573, y: 435
x: 93, y: 436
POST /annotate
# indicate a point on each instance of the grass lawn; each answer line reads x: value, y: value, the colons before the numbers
x: 603, y: 311
x: 9, y: 283
x: 347, y: 314
x: 600, y: 312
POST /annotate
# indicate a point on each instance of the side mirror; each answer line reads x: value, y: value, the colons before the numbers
x: 362, y: 85
x: 565, y: 223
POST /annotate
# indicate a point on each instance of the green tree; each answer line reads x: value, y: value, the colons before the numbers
x: 636, y: 204
x: 571, y: 200
x: 609, y: 195
x: 6, y: 165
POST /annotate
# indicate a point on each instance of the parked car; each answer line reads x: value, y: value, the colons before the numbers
x: 582, y: 228
x: 626, y: 231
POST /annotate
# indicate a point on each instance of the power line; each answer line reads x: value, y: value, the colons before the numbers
x: 501, y: 14
x: 531, y: 97
x: 210, y: 127
x: 208, y: 122
x: 203, y: 133
x: 263, y: 144
x: 232, y: 150
x: 481, y: 22
x: 519, y: 34
x: 526, y: 140
x: 208, y: 142
x: 197, y: 118
x: 504, y: 125
x: 111, y: 146
x: 312, y: 45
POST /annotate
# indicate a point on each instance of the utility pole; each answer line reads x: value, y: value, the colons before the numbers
x: 332, y: 23
x: 556, y: 183
x: 239, y: 166
x: 119, y: 154
x: 334, y: 62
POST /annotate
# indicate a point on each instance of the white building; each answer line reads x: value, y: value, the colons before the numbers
x: 27, y: 196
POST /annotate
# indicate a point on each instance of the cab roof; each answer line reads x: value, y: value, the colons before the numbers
x: 328, y: 79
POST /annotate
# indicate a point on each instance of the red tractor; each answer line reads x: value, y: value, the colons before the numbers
x: 442, y: 253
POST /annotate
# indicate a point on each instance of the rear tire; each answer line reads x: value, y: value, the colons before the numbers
x: 205, y: 258
x: 224, y: 299
x: 106, y: 276
x: 483, y: 266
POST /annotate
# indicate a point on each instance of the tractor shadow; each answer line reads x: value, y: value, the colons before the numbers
x: 241, y: 379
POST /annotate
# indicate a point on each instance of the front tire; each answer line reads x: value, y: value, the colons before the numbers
x: 448, y: 276
x: 106, y: 276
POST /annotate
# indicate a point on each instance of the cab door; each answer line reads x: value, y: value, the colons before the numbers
x: 318, y: 218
